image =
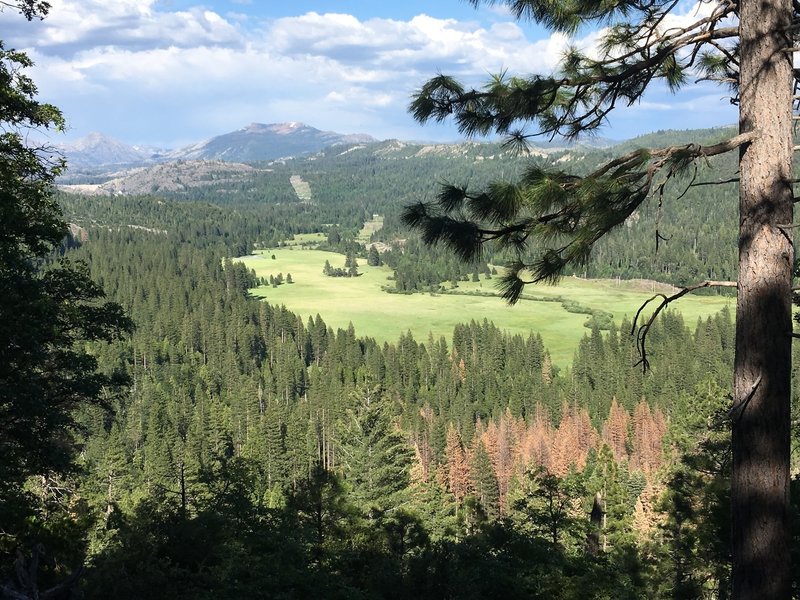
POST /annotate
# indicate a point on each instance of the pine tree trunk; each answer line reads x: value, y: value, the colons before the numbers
x: 761, y: 403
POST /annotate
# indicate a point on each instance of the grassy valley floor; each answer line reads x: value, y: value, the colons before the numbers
x: 384, y: 316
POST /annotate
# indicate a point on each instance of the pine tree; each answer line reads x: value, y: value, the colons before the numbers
x: 334, y: 238
x: 484, y: 482
x: 615, y: 431
x: 322, y: 511
x: 457, y: 468
x: 274, y: 449
x: 373, y: 258
x: 550, y: 507
x: 649, y: 428
x: 605, y: 477
x: 696, y: 503
x: 538, y: 441
x: 506, y: 456
x: 352, y: 269
x: 549, y: 220
x: 376, y: 456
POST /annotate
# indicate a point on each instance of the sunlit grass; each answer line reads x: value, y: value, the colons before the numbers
x: 384, y: 316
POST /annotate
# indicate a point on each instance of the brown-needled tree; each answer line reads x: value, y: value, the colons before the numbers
x: 550, y: 219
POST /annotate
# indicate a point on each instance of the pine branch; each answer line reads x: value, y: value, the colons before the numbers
x: 718, y: 182
x: 564, y: 213
x: 554, y: 102
x: 30, y: 9
x: 642, y: 330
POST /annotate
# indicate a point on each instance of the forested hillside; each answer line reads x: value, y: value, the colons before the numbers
x: 169, y: 430
x: 259, y: 454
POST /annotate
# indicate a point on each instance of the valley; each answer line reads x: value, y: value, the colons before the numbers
x: 270, y: 361
x: 261, y: 391
x: 384, y: 316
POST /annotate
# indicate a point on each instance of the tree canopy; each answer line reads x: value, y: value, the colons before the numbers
x: 50, y: 309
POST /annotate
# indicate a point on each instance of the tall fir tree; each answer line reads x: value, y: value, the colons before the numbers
x: 376, y: 455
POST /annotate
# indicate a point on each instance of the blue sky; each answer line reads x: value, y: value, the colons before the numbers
x: 172, y: 72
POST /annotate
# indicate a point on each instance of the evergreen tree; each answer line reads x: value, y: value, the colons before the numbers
x: 373, y: 258
x: 568, y: 214
x: 608, y: 480
x: 323, y: 512
x: 457, y: 468
x: 377, y: 458
x: 550, y: 507
x: 352, y: 269
x: 334, y: 238
x: 484, y: 482
x: 50, y: 315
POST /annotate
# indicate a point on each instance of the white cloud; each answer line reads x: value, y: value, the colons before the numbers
x: 421, y: 45
x: 136, y: 70
x: 73, y: 26
x: 689, y: 13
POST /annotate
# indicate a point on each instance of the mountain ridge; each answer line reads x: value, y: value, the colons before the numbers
x: 98, y: 153
x: 98, y: 150
x: 255, y: 142
x: 181, y: 174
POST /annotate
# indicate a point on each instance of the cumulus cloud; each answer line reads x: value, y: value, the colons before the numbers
x: 73, y: 26
x: 421, y: 45
x: 688, y: 13
x: 144, y: 73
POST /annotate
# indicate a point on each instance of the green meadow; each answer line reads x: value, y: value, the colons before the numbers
x: 384, y: 316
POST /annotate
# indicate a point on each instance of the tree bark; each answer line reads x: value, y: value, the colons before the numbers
x: 761, y: 402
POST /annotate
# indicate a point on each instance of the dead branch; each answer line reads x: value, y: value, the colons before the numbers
x: 737, y: 409
x: 641, y: 330
x: 718, y: 182
x: 664, y: 154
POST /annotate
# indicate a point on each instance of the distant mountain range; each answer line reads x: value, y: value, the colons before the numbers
x: 96, y: 150
x: 254, y: 143
x: 108, y: 167
x: 258, y: 142
x: 98, y: 158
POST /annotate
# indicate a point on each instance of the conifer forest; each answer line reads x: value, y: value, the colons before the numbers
x: 166, y: 434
